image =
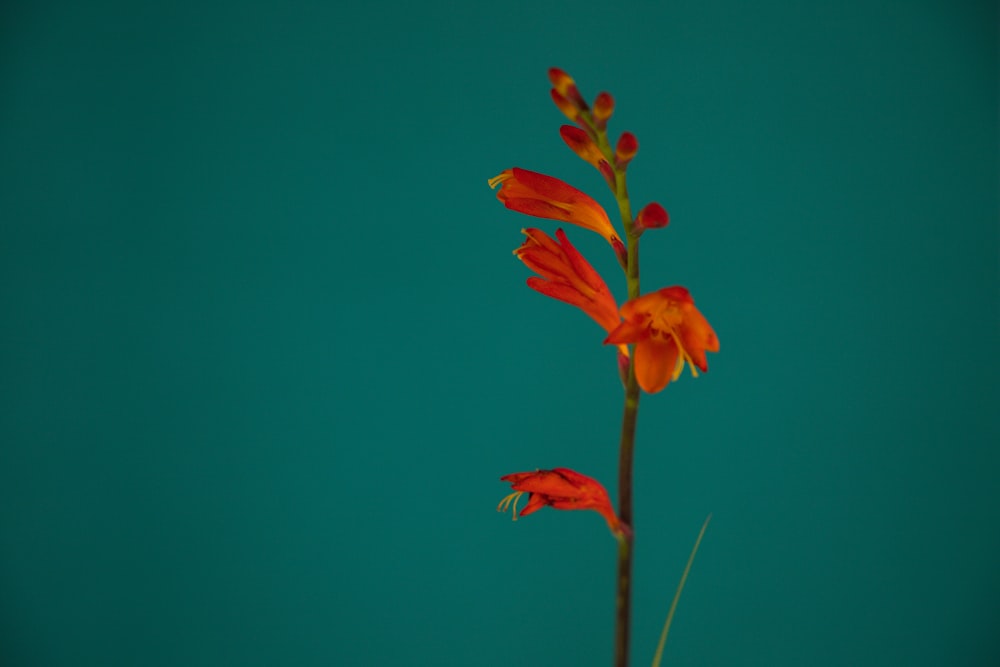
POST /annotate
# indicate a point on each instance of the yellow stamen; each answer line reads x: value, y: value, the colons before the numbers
x: 508, y: 501
x: 499, y: 178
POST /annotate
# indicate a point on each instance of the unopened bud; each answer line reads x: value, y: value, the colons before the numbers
x: 564, y: 84
x: 626, y: 149
x: 652, y: 216
x: 604, y: 106
x: 568, y: 108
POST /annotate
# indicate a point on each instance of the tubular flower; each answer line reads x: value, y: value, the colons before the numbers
x: 565, y: 275
x: 543, y: 196
x: 668, y: 332
x: 563, y: 489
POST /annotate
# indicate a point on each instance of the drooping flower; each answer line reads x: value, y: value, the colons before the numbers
x: 543, y: 196
x: 668, y: 332
x: 561, y: 488
x: 564, y: 274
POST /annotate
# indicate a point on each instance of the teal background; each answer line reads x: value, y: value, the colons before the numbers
x: 264, y: 351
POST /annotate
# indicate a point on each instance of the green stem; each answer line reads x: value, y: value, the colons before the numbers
x: 626, y: 451
x: 625, y: 541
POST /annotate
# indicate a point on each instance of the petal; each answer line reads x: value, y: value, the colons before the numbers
x: 697, y: 337
x: 547, y: 482
x: 516, y: 477
x: 542, y: 184
x: 536, y: 501
x: 579, y: 480
x: 675, y: 293
x: 655, y: 361
x: 630, y: 331
x: 539, y: 208
x: 560, y: 291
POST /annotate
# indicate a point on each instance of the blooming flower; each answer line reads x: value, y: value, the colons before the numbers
x: 565, y: 275
x: 668, y: 332
x: 543, y: 196
x: 563, y: 489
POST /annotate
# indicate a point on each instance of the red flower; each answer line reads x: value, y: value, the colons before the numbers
x: 563, y: 489
x: 543, y: 196
x: 668, y: 331
x: 565, y: 275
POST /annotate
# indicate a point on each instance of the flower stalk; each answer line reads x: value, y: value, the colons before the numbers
x: 656, y: 334
x: 630, y: 417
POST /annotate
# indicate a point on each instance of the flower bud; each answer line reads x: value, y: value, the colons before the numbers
x: 568, y: 108
x: 651, y: 216
x: 604, y: 106
x: 564, y: 84
x: 626, y: 149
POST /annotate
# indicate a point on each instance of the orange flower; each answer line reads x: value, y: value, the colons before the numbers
x: 567, y: 276
x: 563, y: 489
x: 668, y: 331
x: 543, y: 196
